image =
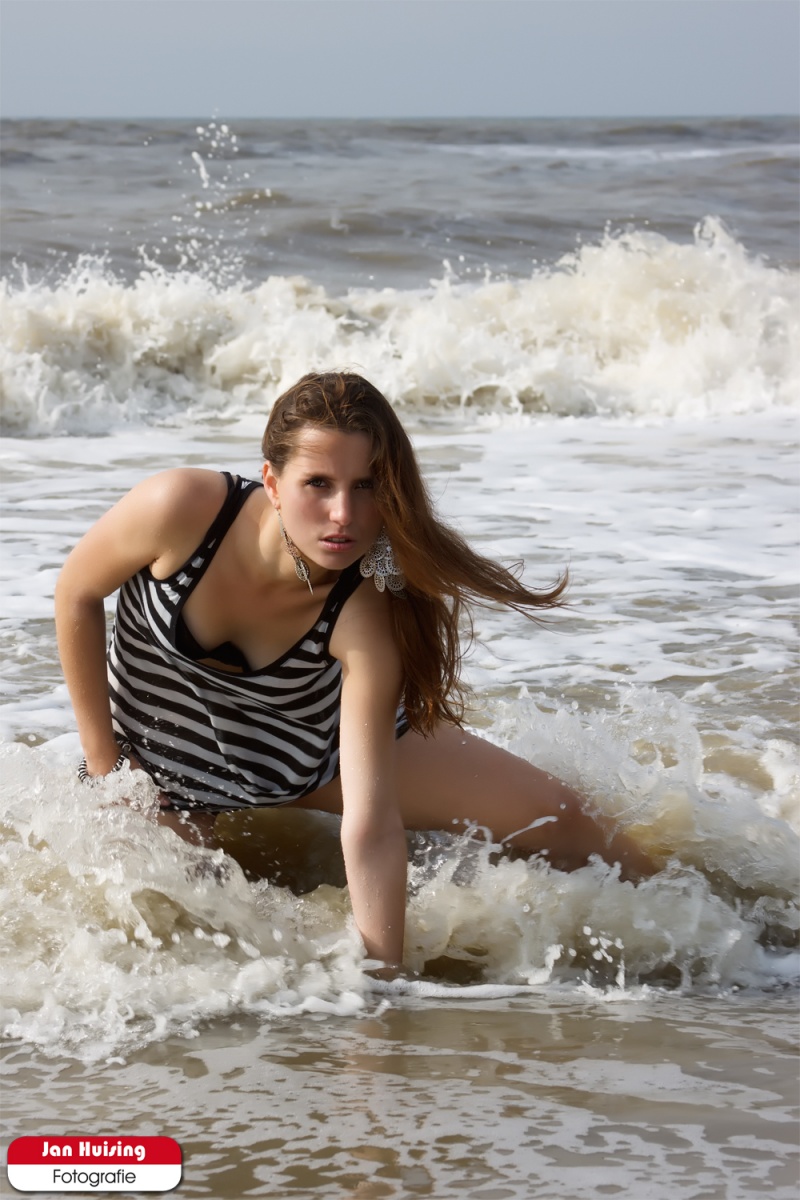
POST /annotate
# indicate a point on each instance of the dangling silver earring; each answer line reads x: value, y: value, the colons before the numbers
x: 301, y: 568
x: 379, y: 562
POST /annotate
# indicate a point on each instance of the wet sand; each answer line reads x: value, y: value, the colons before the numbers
x: 654, y: 1097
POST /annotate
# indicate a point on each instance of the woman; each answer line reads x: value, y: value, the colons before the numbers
x: 298, y: 643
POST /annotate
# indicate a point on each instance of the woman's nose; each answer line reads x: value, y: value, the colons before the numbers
x: 341, y: 508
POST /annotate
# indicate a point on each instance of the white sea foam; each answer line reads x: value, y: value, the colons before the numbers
x: 609, y: 156
x: 635, y: 324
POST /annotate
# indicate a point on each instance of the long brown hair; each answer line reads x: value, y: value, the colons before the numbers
x: 443, y: 573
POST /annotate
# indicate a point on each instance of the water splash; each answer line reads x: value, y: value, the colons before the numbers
x: 117, y: 933
x: 634, y: 325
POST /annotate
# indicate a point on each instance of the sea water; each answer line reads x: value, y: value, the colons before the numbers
x: 591, y: 332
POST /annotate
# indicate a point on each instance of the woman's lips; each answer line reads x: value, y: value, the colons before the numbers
x: 338, y: 543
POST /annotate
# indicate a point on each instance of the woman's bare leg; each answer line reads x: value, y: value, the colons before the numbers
x: 456, y: 779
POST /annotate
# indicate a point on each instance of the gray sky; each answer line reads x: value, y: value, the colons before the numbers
x: 398, y: 58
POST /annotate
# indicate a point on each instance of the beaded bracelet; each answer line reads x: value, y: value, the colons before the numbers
x: 83, y: 773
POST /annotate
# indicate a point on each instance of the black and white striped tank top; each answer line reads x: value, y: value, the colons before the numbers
x: 211, y: 738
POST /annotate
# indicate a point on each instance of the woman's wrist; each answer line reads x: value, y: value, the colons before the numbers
x: 105, y: 763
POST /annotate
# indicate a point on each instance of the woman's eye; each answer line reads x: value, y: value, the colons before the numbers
x: 317, y: 481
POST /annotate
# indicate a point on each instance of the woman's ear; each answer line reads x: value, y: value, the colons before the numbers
x: 271, y: 485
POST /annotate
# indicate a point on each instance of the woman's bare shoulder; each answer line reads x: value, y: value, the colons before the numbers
x: 364, y: 624
x: 180, y: 485
x: 179, y: 506
x: 162, y: 519
x: 363, y: 641
x: 180, y: 498
x: 159, y: 521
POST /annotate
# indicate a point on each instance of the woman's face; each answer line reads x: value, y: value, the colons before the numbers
x: 325, y: 496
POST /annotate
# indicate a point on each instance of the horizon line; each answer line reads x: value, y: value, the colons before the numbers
x: 576, y: 116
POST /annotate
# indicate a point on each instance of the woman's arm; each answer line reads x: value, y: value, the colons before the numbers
x: 155, y: 522
x: 373, y: 838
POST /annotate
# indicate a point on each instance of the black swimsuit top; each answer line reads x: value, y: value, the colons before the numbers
x: 226, y: 653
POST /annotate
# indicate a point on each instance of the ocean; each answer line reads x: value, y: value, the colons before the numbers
x: 591, y: 330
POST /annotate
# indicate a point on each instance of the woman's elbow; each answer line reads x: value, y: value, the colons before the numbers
x: 73, y: 601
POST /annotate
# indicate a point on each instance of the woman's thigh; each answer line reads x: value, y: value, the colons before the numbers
x: 456, y: 779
